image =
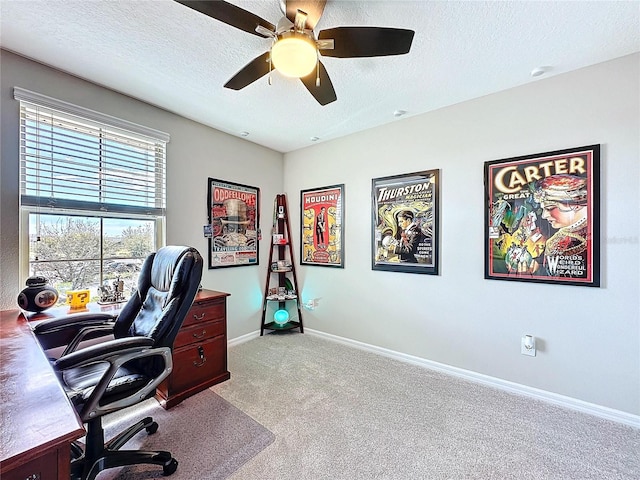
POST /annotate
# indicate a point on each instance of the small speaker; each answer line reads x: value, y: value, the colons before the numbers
x: 38, y: 296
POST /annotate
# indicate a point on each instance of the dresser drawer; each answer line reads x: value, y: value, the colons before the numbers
x: 199, y: 362
x: 205, y: 312
x: 199, y: 350
x: 199, y: 332
x: 44, y: 467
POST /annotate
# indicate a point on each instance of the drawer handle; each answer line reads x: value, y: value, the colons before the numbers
x: 203, y: 359
x: 199, y: 317
x: 204, y: 332
x: 33, y: 476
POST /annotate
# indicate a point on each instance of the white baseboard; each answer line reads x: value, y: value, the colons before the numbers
x: 550, y: 397
x: 244, y: 338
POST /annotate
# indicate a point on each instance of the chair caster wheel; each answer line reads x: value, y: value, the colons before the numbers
x: 170, y: 468
x: 151, y: 429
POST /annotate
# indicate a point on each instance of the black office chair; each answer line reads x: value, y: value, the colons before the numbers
x: 118, y: 373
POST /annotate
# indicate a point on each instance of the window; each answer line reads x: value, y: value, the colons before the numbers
x: 92, y: 195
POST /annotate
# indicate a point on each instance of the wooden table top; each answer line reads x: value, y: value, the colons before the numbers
x: 36, y: 413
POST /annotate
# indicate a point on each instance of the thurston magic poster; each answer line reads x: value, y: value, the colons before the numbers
x: 322, y: 212
x: 233, y: 215
x: 405, y: 222
x: 542, y: 217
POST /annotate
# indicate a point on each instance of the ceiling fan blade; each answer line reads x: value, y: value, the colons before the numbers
x: 252, y: 71
x: 350, y: 42
x: 229, y: 14
x: 313, y: 9
x: 324, y: 93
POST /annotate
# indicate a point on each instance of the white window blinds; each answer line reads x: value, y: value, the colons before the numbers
x: 77, y: 159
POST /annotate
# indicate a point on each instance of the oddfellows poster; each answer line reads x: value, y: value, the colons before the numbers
x: 542, y: 217
x: 233, y: 217
x: 405, y: 222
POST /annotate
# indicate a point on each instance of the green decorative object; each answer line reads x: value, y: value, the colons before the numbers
x: 288, y: 285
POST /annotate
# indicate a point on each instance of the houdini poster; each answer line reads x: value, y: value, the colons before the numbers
x: 322, y: 216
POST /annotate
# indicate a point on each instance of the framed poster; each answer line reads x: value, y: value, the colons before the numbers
x: 234, y: 216
x: 406, y: 222
x: 542, y: 216
x: 321, y: 220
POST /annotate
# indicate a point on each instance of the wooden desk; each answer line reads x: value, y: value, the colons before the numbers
x: 38, y: 421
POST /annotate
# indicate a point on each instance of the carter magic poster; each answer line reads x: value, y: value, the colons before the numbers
x: 542, y: 217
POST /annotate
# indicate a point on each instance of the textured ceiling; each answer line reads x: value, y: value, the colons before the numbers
x: 176, y: 58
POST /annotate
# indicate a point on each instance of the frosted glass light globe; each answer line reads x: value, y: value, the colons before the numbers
x: 294, y: 55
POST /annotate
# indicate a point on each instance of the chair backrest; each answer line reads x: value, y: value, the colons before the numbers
x: 167, y: 285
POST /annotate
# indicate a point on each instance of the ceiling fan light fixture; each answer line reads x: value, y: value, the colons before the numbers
x: 294, y: 54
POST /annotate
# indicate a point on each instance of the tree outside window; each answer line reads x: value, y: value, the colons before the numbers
x: 78, y: 252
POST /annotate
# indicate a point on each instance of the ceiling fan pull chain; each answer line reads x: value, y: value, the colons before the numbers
x: 318, y: 72
x: 270, y: 70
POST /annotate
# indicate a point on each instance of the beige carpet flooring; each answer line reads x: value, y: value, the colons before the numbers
x: 343, y: 413
x: 208, y: 436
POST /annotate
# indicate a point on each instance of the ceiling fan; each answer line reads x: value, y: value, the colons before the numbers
x: 295, y: 49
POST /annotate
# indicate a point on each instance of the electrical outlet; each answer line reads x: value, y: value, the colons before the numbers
x: 528, y: 346
x: 311, y: 304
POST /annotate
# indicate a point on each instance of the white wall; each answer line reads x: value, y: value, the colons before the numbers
x: 589, y: 338
x: 194, y: 153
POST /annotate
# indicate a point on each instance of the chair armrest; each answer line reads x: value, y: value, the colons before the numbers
x: 87, y: 333
x: 116, y: 353
x: 73, y: 321
x: 72, y: 329
x: 101, y: 352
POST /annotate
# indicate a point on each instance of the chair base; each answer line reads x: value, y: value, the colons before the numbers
x: 98, y: 455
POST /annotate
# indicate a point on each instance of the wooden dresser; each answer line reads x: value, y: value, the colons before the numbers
x: 199, y: 351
